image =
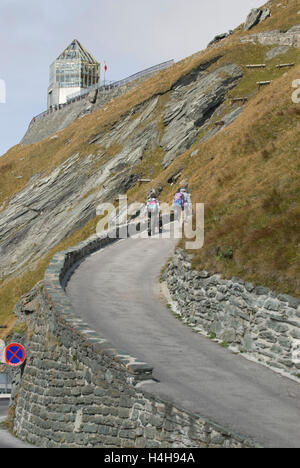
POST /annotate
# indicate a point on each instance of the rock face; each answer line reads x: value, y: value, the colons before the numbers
x: 218, y: 38
x: 56, y: 121
x: 265, y: 14
x: 256, y: 321
x: 276, y: 51
x: 92, y: 97
x: 53, y: 207
x: 256, y: 16
x: 192, y: 105
x: 252, y: 19
x: 226, y: 120
x: 291, y: 38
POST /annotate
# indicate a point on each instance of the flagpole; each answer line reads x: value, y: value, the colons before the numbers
x: 105, y: 68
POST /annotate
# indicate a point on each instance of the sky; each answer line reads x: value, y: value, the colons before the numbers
x: 129, y: 35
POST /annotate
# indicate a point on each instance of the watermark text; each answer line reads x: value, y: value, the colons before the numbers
x: 296, y: 93
x: 135, y: 221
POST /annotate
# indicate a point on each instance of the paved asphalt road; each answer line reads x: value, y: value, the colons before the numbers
x: 6, y: 439
x: 116, y: 292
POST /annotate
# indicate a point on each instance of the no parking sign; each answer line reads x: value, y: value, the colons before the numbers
x: 14, y: 354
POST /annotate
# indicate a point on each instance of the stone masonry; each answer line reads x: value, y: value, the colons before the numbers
x: 256, y: 321
x: 76, y: 390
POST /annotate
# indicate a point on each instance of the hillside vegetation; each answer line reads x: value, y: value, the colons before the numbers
x: 248, y: 178
x: 247, y: 175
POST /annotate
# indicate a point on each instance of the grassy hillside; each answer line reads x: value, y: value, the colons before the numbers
x: 247, y: 175
x: 46, y: 155
x: 248, y: 178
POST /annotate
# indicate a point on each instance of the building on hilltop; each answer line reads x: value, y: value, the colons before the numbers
x: 74, y: 70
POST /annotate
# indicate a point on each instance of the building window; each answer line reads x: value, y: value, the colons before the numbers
x: 75, y: 67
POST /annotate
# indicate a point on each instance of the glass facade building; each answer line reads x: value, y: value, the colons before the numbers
x: 73, y: 70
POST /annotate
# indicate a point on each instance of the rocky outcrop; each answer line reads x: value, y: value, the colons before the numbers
x: 219, y: 38
x: 290, y: 38
x: 228, y: 119
x: 52, y: 207
x: 255, y: 321
x: 252, y: 19
x: 276, y: 52
x: 265, y: 14
x: 92, y: 97
x: 256, y: 16
x: 53, y: 122
x: 191, y: 106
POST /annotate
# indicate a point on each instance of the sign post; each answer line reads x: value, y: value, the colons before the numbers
x: 14, y: 355
x: 2, y: 352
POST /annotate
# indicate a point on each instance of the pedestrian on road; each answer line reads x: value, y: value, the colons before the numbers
x: 187, y: 204
x: 178, y: 205
x: 154, y: 214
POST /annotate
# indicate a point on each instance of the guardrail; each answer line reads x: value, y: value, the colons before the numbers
x: 86, y: 91
x: 147, y: 71
x: 102, y: 87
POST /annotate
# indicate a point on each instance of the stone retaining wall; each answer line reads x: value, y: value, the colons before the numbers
x: 252, y: 320
x: 77, y: 390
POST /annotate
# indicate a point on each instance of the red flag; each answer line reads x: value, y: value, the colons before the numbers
x: 105, y: 67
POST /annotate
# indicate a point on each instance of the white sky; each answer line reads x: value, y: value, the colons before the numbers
x: 129, y: 34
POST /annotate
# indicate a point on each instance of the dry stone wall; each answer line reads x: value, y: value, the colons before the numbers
x: 77, y: 390
x: 252, y: 320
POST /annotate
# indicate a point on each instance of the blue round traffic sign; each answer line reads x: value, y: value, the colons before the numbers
x: 14, y: 354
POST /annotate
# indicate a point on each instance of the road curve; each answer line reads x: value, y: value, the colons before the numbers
x: 116, y: 292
